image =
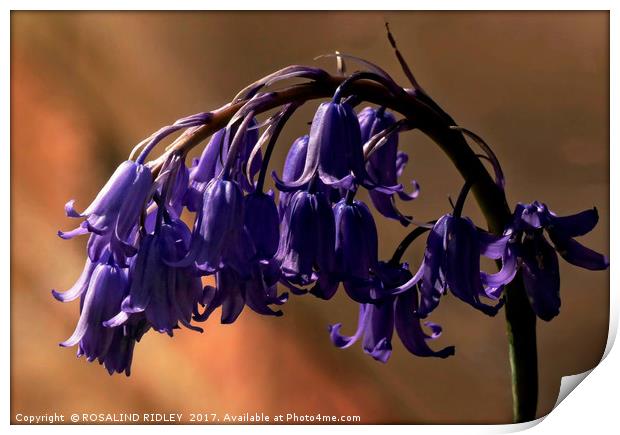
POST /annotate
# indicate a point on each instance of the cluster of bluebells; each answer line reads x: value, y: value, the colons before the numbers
x: 145, y: 265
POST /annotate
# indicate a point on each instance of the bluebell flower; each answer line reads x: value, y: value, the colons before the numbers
x: 119, y: 357
x: 356, y: 248
x: 211, y: 163
x: 334, y: 150
x: 166, y: 294
x: 205, y: 170
x: 394, y: 308
x: 218, y: 221
x: 101, y: 300
x: 539, y: 260
x: 248, y: 139
x: 452, y: 261
x: 234, y: 290
x: 246, y: 278
x: 173, y: 188
x: 248, y: 273
x: 114, y: 214
x: 386, y: 164
x: 307, y: 244
x: 262, y: 222
x: 293, y: 168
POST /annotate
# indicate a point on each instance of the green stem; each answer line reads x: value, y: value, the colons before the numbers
x: 425, y: 115
x: 521, y: 330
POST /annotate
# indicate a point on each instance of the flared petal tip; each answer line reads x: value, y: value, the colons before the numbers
x: 67, y: 235
x: 60, y: 296
x: 67, y: 343
x: 382, y: 351
x: 289, y: 186
x: 547, y: 316
x: 70, y: 209
x: 491, y: 310
x: 446, y: 352
x: 410, y: 196
x: 117, y: 320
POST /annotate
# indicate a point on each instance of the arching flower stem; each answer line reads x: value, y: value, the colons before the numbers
x: 407, y: 241
x: 521, y: 320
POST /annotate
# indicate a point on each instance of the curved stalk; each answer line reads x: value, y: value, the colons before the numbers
x: 435, y: 123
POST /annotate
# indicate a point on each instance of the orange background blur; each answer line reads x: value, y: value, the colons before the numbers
x: 87, y: 86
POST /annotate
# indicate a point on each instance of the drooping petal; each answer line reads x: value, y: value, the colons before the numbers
x: 257, y: 297
x: 574, y: 225
x: 577, y: 254
x: 410, y: 331
x: 233, y: 300
x: 342, y: 341
x: 415, y: 192
x: 378, y: 333
x: 80, y: 285
x: 79, y: 231
x: 432, y: 285
x: 492, y: 246
x: 505, y: 274
x: 541, y: 276
x: 384, y: 203
x: 463, y: 265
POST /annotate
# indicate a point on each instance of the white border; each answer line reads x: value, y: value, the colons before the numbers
x: 593, y: 407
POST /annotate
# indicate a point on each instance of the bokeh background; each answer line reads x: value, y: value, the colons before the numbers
x: 85, y: 87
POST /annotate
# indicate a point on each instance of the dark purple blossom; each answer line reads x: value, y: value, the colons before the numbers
x: 217, y: 222
x: 539, y: 261
x: 307, y: 244
x: 249, y: 272
x: 120, y: 353
x: 395, y: 308
x: 262, y: 222
x: 452, y: 261
x: 246, y: 278
x: 293, y: 168
x: 356, y: 248
x: 211, y: 163
x: 113, y: 216
x: 234, y: 290
x: 174, y: 185
x: 334, y: 150
x: 167, y: 295
x: 100, y: 300
x: 248, y: 137
x: 385, y: 164
x: 204, y: 171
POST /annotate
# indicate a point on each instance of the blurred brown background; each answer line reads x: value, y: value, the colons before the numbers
x: 87, y: 86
